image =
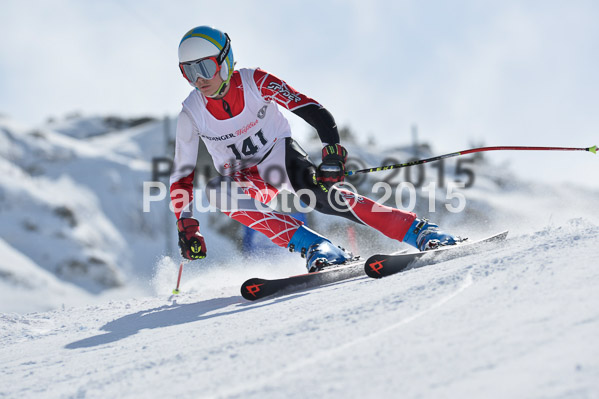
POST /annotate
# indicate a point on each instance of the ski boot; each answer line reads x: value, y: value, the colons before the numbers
x: 425, y: 236
x: 318, y: 250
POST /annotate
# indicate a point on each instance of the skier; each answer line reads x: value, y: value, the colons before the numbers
x: 236, y: 113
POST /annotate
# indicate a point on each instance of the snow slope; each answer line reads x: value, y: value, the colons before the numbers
x: 519, y: 321
x: 71, y: 201
x: 94, y: 273
x: 21, y: 277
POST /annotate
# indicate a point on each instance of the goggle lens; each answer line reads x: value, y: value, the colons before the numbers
x: 205, y: 69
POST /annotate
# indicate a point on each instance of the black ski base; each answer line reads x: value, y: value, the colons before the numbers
x: 378, y: 266
x: 257, y: 288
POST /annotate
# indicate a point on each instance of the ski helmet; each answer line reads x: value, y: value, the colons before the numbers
x: 202, y: 42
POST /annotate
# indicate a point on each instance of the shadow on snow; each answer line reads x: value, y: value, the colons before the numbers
x: 166, y: 316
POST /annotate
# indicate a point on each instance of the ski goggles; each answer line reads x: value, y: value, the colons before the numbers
x: 204, y: 68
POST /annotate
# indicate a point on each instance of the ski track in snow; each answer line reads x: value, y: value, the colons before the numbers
x: 519, y: 321
x: 296, y: 367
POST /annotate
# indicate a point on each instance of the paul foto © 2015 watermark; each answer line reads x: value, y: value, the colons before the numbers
x: 241, y: 196
x: 399, y: 190
x: 418, y: 175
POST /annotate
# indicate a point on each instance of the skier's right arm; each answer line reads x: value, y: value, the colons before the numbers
x: 191, y: 242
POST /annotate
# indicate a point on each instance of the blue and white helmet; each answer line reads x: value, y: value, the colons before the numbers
x: 204, y: 41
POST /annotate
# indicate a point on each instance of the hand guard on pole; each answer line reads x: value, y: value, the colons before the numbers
x: 191, y: 242
x: 332, y: 168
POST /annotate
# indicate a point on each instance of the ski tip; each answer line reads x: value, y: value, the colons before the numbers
x: 252, y: 289
x: 593, y: 149
x: 373, y: 267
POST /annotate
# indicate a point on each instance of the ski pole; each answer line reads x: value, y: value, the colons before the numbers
x: 176, y: 290
x: 592, y: 149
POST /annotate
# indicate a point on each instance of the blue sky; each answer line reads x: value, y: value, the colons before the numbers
x: 496, y: 73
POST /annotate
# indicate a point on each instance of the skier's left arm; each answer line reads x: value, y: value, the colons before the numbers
x: 334, y: 155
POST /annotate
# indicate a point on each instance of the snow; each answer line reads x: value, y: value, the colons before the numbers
x: 520, y: 320
x: 21, y: 277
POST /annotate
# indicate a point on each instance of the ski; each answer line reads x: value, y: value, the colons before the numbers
x: 257, y: 288
x: 378, y: 266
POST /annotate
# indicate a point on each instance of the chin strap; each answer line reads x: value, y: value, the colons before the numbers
x: 220, y: 90
x: 225, y: 83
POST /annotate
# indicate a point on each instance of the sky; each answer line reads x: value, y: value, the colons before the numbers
x: 465, y: 72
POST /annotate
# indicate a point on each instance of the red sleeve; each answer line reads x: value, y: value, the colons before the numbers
x: 182, y: 193
x: 277, y: 90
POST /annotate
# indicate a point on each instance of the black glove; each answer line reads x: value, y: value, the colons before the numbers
x: 332, y: 168
x: 191, y: 242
